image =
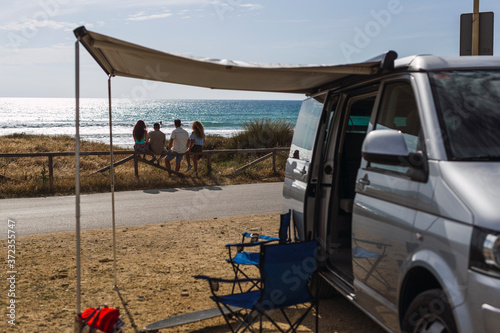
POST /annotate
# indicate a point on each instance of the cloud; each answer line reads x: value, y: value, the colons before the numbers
x: 141, y: 16
x: 54, y: 54
x: 251, y: 6
x: 298, y: 21
x: 32, y: 24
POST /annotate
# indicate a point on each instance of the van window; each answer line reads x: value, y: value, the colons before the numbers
x: 305, y: 129
x: 359, y: 114
x: 398, y: 110
x: 467, y: 104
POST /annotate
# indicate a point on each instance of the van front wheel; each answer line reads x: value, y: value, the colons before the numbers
x: 430, y: 311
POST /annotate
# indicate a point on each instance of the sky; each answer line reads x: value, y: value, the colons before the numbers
x: 37, y: 42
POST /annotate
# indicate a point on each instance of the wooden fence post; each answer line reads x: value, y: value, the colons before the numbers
x: 274, y: 161
x: 209, y: 164
x: 51, y: 174
x: 136, y: 165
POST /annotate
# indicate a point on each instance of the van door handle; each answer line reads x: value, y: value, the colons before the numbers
x: 364, y: 181
x: 303, y: 171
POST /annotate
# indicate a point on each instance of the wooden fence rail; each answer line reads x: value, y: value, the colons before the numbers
x: 271, y: 153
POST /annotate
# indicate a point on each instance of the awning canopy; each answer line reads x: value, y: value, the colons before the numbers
x: 121, y: 58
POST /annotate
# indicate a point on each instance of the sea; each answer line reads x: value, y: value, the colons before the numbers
x: 56, y: 116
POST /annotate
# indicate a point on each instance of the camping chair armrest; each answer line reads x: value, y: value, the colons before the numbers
x: 214, y: 279
x: 258, y: 236
x: 250, y: 244
x: 214, y: 282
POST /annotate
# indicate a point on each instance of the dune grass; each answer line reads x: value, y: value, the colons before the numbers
x: 262, y: 133
x: 28, y: 176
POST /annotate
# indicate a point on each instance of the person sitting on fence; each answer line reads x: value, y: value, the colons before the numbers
x: 177, y: 146
x: 195, y: 143
x: 140, y: 134
x: 157, y: 143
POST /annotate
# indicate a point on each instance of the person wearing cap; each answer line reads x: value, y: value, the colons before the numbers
x: 177, y: 146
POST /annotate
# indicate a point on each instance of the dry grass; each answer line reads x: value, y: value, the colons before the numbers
x: 29, y: 176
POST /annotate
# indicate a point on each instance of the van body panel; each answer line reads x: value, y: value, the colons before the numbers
x: 432, y: 252
x: 437, y: 198
x: 472, y: 182
x: 380, y: 229
x: 378, y: 307
x: 483, y: 302
x: 293, y: 199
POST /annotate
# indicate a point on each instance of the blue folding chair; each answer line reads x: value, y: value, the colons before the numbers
x: 285, y: 271
x: 241, y: 254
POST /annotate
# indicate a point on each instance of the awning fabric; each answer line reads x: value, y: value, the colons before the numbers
x: 121, y: 58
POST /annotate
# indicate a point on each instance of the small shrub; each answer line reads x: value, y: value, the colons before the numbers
x: 262, y: 133
x: 214, y: 142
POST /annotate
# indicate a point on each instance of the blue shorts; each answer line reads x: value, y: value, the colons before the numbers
x: 170, y: 157
x: 141, y: 148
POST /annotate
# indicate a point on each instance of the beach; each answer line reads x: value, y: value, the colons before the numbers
x: 155, y: 265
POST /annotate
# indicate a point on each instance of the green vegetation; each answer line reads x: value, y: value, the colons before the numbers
x: 28, y: 176
x: 262, y: 133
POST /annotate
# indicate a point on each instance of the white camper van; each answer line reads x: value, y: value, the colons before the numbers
x: 397, y: 175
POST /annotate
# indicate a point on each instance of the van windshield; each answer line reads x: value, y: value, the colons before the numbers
x: 468, y: 106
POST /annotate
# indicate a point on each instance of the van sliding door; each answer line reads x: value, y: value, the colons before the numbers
x: 385, y: 205
x: 297, y: 174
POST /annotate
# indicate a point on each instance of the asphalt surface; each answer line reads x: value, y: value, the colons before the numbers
x: 55, y: 214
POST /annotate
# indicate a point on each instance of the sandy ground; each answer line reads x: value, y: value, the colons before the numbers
x: 154, y: 271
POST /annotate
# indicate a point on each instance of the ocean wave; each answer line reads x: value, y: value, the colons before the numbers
x: 56, y: 116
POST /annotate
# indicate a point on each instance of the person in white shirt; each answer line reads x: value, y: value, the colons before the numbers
x: 177, y: 146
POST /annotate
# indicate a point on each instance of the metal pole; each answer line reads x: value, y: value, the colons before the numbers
x: 112, y: 176
x: 475, y: 28
x: 77, y: 173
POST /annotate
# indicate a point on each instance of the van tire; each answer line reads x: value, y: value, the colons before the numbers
x: 430, y: 308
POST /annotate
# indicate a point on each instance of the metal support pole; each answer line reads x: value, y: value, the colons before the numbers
x: 77, y: 173
x: 475, y: 28
x: 112, y: 176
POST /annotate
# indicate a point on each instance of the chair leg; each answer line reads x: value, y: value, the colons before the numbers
x: 317, y: 316
x: 225, y: 317
x: 237, y: 270
x: 295, y: 326
x: 247, y: 321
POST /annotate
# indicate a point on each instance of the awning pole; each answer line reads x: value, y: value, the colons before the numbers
x: 77, y: 172
x: 112, y: 176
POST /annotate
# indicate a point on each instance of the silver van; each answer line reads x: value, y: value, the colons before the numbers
x: 397, y: 175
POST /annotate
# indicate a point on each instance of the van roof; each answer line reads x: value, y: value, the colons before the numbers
x: 433, y: 63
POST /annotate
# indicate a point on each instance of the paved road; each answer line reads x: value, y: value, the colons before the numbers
x: 55, y: 214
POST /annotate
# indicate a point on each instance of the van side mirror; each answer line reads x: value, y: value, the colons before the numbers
x: 389, y: 147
